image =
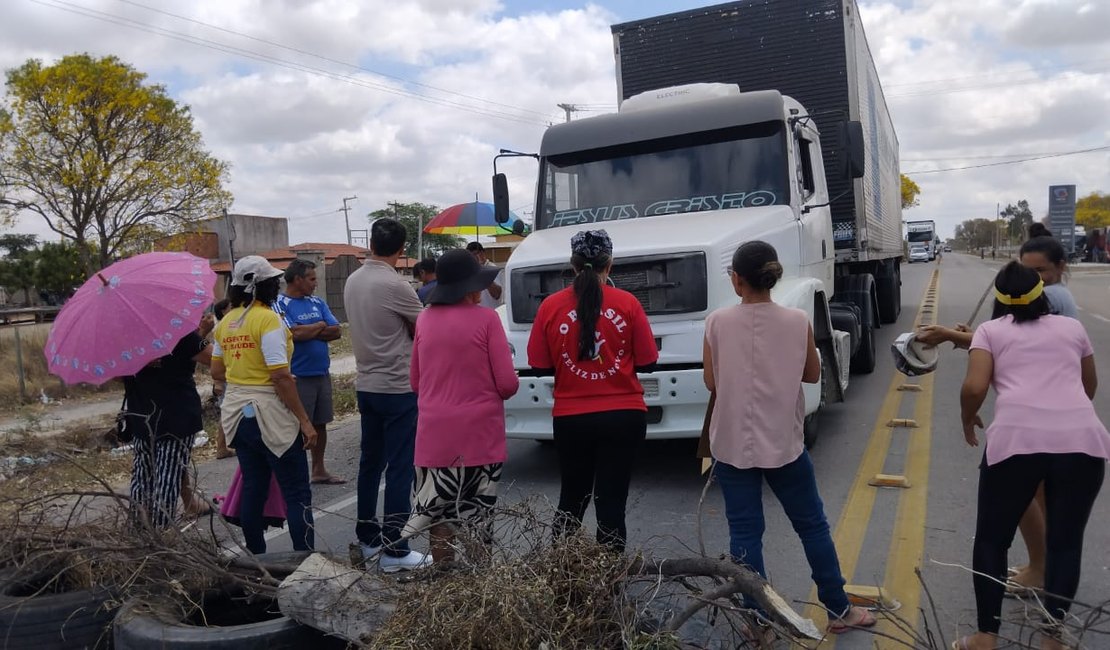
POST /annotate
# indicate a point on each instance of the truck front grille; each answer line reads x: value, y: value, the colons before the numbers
x: 664, y: 284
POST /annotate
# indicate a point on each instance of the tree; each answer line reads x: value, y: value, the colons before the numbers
x: 974, y: 234
x: 1093, y: 211
x: 96, y: 151
x: 59, y: 270
x: 411, y: 215
x: 17, y: 269
x: 1018, y: 218
x: 910, y: 190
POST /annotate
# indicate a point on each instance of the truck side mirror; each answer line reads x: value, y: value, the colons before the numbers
x: 518, y: 227
x: 851, y: 149
x: 500, y: 198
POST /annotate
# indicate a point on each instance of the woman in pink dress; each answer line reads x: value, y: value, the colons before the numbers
x: 462, y: 372
x: 757, y: 355
x: 1045, y: 430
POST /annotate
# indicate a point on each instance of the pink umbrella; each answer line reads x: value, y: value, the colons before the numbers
x: 127, y: 315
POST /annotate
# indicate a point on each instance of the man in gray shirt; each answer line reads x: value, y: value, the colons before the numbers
x: 382, y: 309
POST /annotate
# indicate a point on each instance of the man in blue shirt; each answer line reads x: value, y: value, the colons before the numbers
x: 312, y: 325
x: 425, y: 272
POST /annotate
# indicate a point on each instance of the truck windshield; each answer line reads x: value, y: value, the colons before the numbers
x: 738, y: 167
x: 925, y: 236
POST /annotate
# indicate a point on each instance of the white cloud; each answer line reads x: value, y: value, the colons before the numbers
x: 303, y: 131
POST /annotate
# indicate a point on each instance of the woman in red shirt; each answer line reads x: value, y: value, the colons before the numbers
x: 594, y: 338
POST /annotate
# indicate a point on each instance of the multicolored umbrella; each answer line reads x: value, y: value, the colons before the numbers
x: 127, y: 315
x: 472, y: 218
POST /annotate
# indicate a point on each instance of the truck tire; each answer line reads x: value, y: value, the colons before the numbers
x: 74, y: 619
x: 863, y: 361
x: 139, y: 628
x: 845, y: 318
x: 810, y: 429
x: 860, y: 290
x: 888, y: 289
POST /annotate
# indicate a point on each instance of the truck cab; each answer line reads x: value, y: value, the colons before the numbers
x: 679, y: 178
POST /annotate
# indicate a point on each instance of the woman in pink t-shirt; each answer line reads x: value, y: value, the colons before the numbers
x: 757, y: 355
x: 1045, y: 429
x: 462, y: 372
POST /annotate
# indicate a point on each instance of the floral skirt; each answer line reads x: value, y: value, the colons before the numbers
x: 455, y: 494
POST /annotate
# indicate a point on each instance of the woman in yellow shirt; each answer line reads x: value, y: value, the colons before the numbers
x: 262, y: 415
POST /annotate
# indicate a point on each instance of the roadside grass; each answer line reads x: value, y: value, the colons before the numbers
x: 344, y: 399
x: 342, y: 346
x: 37, y: 379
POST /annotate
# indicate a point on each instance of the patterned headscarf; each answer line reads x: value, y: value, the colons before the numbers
x: 591, y: 244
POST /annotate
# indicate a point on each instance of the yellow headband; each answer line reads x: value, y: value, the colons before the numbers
x: 1033, y: 294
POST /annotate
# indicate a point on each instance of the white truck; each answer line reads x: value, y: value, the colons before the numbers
x: 922, y: 235
x: 681, y: 176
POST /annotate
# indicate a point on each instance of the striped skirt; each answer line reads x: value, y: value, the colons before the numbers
x: 156, y: 477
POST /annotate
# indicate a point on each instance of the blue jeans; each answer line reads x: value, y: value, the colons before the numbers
x: 796, y: 488
x: 256, y: 462
x: 388, y: 445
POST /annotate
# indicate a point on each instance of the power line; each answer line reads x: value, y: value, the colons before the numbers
x: 291, y: 65
x: 328, y: 59
x: 1009, y: 162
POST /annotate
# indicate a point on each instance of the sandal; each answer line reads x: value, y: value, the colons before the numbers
x: 856, y: 618
x: 961, y: 644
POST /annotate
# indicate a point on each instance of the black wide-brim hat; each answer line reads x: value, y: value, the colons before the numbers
x: 457, y: 274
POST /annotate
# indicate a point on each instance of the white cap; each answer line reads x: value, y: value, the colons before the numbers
x: 251, y: 270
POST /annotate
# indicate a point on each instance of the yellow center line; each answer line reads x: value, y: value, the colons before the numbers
x: 851, y: 527
x: 907, y: 543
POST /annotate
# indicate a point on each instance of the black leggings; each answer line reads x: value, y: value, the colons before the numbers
x: 596, y: 455
x: 1071, y: 483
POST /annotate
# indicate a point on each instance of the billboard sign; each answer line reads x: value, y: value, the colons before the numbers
x: 1061, y: 214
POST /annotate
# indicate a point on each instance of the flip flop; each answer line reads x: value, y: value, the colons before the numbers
x: 329, y: 480
x: 842, y: 625
x: 961, y: 644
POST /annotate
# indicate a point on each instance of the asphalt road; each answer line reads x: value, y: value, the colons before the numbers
x: 882, y: 533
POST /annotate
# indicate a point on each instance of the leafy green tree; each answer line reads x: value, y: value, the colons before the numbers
x: 411, y: 216
x: 59, y: 270
x: 17, y: 269
x: 96, y: 151
x: 974, y: 234
x: 1018, y: 218
x: 910, y: 191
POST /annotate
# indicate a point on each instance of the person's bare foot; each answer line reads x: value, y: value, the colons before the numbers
x: 328, y: 479
x: 224, y: 453
x: 977, y: 641
x: 1027, y: 578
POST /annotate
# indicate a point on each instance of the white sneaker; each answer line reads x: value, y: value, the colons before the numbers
x: 408, y: 562
x: 370, y: 553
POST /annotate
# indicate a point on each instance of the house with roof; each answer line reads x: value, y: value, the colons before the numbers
x: 221, y: 239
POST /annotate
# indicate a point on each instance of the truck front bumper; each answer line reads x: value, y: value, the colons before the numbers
x: 676, y: 401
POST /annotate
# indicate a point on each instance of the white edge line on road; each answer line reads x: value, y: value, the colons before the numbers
x: 1100, y: 317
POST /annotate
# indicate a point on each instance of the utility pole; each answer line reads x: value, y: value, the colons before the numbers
x: 568, y: 108
x: 346, y: 220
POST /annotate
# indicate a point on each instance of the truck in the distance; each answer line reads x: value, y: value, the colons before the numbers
x: 750, y: 120
x: 922, y: 239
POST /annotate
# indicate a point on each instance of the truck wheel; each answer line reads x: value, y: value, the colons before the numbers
x: 859, y: 289
x: 863, y: 361
x: 810, y: 430
x: 845, y: 318
x: 888, y: 289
